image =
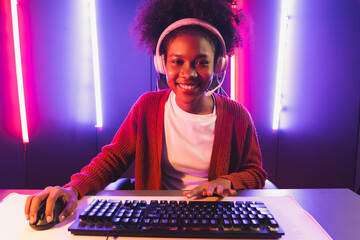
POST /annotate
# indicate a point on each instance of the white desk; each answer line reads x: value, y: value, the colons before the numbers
x: 336, y: 210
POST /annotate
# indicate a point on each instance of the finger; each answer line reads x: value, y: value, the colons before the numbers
x: 219, y: 189
x: 34, y: 207
x: 227, y: 191
x: 68, y: 210
x: 210, y: 189
x: 230, y: 191
x: 185, y: 193
x: 50, y: 202
x: 195, y: 191
x: 27, y: 207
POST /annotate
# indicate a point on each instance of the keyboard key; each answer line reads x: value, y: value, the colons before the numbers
x: 164, y: 221
x: 146, y: 221
x: 134, y: 221
x: 155, y: 221
x: 255, y: 223
x: 173, y: 222
x: 125, y: 220
x: 186, y: 222
x: 246, y: 223
x: 236, y: 223
x: 204, y: 222
x: 273, y: 223
x: 227, y: 223
x: 214, y: 223
x: 195, y: 222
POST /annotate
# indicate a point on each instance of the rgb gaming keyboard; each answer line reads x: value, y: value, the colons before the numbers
x: 196, y: 219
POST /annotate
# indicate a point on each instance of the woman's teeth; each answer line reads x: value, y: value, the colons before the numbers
x: 187, y: 86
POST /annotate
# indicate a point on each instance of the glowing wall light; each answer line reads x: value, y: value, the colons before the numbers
x: 19, y: 76
x: 284, y: 20
x: 96, y: 68
x: 237, y: 64
x: 232, y: 77
x: 233, y: 67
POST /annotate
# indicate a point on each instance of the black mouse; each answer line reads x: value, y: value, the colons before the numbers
x: 41, y: 222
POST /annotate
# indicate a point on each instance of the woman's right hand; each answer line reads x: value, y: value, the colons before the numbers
x: 51, y: 194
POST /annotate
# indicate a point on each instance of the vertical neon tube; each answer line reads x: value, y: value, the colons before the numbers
x: 19, y: 76
x: 96, y: 68
x: 232, y: 68
x: 232, y: 77
x: 237, y: 65
x: 284, y: 19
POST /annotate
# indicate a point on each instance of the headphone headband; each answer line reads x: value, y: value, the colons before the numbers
x: 220, y: 64
x: 188, y: 22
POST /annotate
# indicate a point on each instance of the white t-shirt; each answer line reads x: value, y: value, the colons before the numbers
x: 187, y: 146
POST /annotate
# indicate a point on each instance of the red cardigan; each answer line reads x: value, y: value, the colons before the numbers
x: 235, y: 154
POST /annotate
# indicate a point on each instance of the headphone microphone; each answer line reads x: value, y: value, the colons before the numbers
x: 221, y: 62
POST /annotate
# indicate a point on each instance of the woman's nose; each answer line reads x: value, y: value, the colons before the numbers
x: 188, y: 71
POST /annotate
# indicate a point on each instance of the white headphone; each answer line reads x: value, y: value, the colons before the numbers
x: 221, y: 62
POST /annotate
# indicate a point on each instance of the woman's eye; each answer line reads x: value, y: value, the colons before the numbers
x: 178, y: 62
x: 202, y: 63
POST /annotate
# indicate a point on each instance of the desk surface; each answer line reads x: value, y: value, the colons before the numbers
x: 336, y: 210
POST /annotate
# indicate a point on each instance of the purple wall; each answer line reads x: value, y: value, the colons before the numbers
x: 59, y: 87
x: 317, y: 145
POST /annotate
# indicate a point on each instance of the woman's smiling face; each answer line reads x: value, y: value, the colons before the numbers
x: 189, y: 68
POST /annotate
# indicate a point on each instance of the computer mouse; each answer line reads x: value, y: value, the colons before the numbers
x: 41, y: 222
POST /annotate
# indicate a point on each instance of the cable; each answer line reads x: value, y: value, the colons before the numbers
x: 151, y: 73
x: 218, y: 86
x: 277, y: 154
x: 357, y: 160
x: 97, y: 140
x: 26, y: 168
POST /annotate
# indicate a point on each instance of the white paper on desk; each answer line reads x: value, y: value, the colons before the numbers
x: 296, y: 222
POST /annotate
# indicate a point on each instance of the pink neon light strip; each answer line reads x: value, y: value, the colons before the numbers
x: 237, y: 67
x: 232, y: 70
x: 96, y: 68
x: 19, y: 76
x: 232, y: 77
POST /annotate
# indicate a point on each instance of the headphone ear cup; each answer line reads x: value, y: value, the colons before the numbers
x: 159, y: 62
x: 156, y: 62
x: 221, y: 64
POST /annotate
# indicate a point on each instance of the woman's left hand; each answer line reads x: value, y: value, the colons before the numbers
x: 220, y: 186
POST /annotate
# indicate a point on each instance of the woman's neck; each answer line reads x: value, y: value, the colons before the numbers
x: 203, y: 105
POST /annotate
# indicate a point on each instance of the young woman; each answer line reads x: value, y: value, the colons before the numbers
x: 185, y: 137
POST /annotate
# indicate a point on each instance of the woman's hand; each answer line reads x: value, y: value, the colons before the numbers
x: 51, y: 194
x: 220, y: 186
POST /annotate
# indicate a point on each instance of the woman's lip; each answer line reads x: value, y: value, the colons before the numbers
x: 188, y: 86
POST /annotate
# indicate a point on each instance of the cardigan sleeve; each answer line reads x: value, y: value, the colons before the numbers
x: 241, y: 154
x: 248, y: 172
x: 113, y: 160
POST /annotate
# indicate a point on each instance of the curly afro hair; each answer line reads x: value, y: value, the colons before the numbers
x: 156, y: 15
